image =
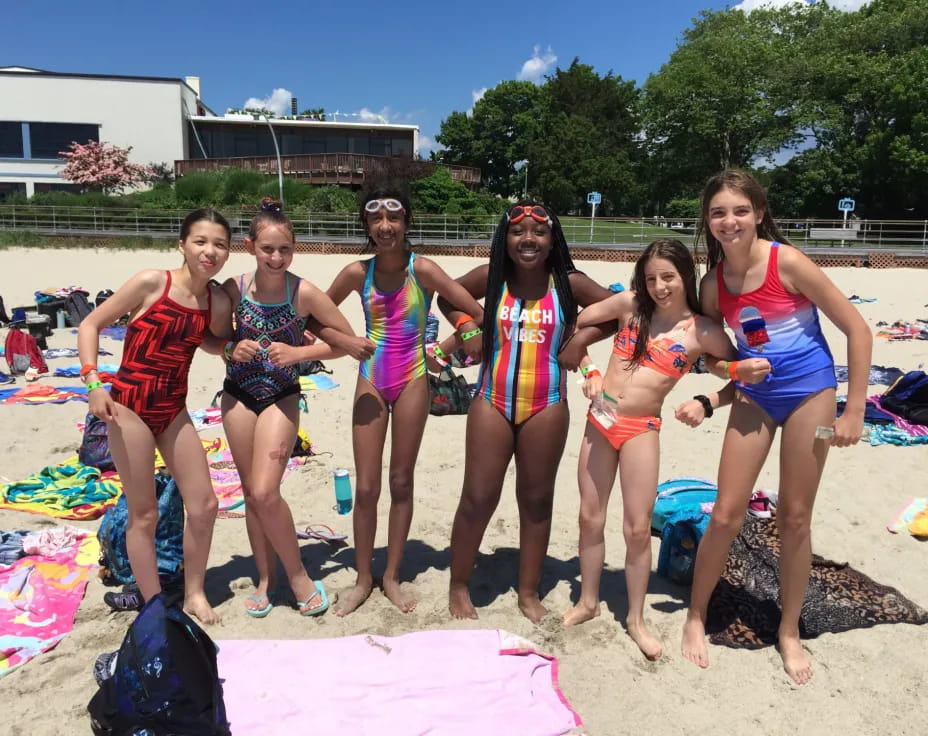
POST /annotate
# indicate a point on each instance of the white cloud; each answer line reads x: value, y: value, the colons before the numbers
x: 427, y: 144
x: 476, y: 95
x: 847, y: 5
x: 278, y: 102
x: 535, y: 68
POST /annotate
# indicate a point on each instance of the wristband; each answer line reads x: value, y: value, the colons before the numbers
x: 732, y: 369
x: 706, y: 405
x: 94, y: 385
x: 592, y: 372
x: 438, y: 352
x: 88, y: 368
x: 584, y: 369
x: 463, y: 319
x: 472, y: 333
x: 227, y: 350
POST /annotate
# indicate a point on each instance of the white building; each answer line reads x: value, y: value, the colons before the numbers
x: 42, y: 112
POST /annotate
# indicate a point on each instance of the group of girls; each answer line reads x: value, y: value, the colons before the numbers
x: 526, y: 335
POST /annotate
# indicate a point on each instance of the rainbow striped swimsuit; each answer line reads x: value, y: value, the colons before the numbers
x: 396, y: 325
x: 522, y: 376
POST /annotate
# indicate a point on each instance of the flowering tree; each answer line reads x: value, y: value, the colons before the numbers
x: 103, y: 166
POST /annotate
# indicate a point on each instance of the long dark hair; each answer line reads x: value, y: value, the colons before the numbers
x: 671, y: 250
x: 737, y: 181
x: 384, y: 190
x: 559, y: 264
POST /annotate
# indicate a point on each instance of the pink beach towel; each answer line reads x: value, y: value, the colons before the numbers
x: 453, y: 683
x: 39, y: 596
x: 227, y: 485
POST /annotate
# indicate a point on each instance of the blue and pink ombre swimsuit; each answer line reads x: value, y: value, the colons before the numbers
x: 773, y: 323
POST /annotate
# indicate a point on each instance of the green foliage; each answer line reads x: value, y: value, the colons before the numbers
x: 336, y: 200
x: 684, y: 208
x: 239, y: 186
x: 197, y: 189
x: 440, y: 194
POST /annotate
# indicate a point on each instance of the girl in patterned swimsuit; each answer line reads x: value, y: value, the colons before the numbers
x: 396, y: 289
x: 260, y: 404
x: 171, y: 314
x: 531, y: 291
x: 769, y: 293
x: 660, y: 335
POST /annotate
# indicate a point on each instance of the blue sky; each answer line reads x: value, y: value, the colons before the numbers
x: 409, y: 62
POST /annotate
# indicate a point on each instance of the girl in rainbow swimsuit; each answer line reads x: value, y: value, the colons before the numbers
x: 769, y: 293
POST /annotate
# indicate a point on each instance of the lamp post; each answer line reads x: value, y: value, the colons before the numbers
x: 524, y: 163
x: 280, y: 168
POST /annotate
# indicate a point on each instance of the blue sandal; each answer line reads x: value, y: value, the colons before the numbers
x: 320, y: 592
x: 259, y: 612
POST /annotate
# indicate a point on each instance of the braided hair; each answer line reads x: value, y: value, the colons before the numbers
x: 559, y: 264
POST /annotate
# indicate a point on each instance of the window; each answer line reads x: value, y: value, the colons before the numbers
x: 48, y: 139
x: 11, y: 187
x: 11, y: 139
x: 53, y: 187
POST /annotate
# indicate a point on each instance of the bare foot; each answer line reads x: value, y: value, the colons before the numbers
x: 796, y: 660
x: 197, y: 605
x: 694, y: 643
x: 531, y: 608
x: 396, y: 596
x: 459, y: 603
x: 350, y: 599
x: 650, y: 646
x: 580, y: 613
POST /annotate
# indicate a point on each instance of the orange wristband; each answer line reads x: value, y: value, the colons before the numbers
x: 87, y: 368
x: 463, y: 319
x: 733, y: 370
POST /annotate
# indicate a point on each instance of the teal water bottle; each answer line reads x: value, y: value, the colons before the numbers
x: 342, y: 490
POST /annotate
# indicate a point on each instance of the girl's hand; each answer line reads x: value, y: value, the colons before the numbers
x: 592, y: 386
x: 691, y: 413
x: 101, y: 405
x: 245, y: 351
x: 754, y: 370
x: 848, y: 428
x: 571, y: 354
x: 359, y: 348
x: 473, y: 346
x: 281, y: 354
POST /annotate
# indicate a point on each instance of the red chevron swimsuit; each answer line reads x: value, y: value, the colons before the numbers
x: 152, y: 378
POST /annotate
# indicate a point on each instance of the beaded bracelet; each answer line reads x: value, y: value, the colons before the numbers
x: 94, y: 385
x: 472, y: 333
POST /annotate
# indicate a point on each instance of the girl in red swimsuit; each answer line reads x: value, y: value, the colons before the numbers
x: 171, y: 313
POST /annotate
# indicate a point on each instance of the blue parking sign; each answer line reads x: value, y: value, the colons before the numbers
x: 846, y: 205
x: 594, y: 198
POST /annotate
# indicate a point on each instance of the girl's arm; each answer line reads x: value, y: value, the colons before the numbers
x: 810, y: 281
x: 431, y: 275
x: 693, y: 412
x: 573, y: 354
x: 220, y: 326
x: 474, y: 284
x: 350, y: 278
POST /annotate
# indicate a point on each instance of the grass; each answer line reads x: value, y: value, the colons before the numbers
x: 27, y: 239
x: 577, y: 231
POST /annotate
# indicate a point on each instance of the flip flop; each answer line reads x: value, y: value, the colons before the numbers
x: 259, y: 612
x: 321, y: 531
x: 320, y: 592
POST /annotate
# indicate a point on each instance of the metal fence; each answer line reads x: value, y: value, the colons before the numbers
x: 907, y: 237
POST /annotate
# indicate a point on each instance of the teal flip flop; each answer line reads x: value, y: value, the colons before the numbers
x: 320, y: 592
x: 259, y: 612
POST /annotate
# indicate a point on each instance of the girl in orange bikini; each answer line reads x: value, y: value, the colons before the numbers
x: 660, y: 335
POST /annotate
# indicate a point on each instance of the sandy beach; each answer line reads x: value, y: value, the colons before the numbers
x: 866, y: 681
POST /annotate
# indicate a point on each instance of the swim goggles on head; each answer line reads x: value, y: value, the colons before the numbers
x: 536, y: 212
x: 391, y: 205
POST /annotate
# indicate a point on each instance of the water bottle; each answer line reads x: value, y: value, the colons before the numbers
x: 826, y: 433
x: 342, y: 490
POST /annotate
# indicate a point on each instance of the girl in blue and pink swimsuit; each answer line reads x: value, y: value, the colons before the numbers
x: 769, y: 293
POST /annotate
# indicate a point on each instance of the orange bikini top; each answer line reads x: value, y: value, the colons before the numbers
x: 664, y: 354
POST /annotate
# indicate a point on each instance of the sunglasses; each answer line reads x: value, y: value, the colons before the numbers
x: 391, y: 205
x: 536, y: 212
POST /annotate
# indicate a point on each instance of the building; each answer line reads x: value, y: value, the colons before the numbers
x: 164, y: 120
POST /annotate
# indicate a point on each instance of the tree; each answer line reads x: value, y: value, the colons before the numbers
x: 103, y: 167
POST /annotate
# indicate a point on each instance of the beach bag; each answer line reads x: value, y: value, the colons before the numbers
x: 22, y: 352
x: 95, y: 446
x: 908, y: 397
x: 449, y: 393
x: 165, y: 682
x: 77, y: 307
x: 169, y: 535
x: 680, y: 517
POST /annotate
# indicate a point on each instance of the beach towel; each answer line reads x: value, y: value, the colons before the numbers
x: 879, y: 374
x: 744, y: 610
x: 227, y: 485
x: 39, y: 597
x: 69, y: 490
x: 39, y: 393
x: 69, y: 353
x: 453, y: 683
x: 73, y: 371
x: 902, y: 522
x: 317, y: 382
x: 206, y: 418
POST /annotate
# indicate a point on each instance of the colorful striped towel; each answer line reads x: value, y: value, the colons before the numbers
x: 69, y: 490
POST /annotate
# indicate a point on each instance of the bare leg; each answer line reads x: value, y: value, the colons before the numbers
x: 489, y: 447
x: 802, y: 460
x: 410, y: 412
x: 369, y: 430
x: 596, y: 468
x: 747, y: 441
x: 539, y: 446
x: 183, y: 453
x: 133, y: 448
x: 239, y: 423
x: 639, y: 465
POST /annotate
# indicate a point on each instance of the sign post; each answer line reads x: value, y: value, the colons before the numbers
x: 845, y: 205
x: 593, y: 198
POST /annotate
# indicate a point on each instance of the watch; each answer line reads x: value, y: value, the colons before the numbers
x: 706, y: 404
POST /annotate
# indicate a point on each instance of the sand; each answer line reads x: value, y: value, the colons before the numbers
x: 866, y: 681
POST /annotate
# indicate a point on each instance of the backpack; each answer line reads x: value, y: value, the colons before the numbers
x: 908, y: 397
x: 449, y: 393
x: 169, y: 534
x: 95, y: 446
x: 166, y: 680
x: 22, y: 352
x: 680, y: 519
x: 77, y: 306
